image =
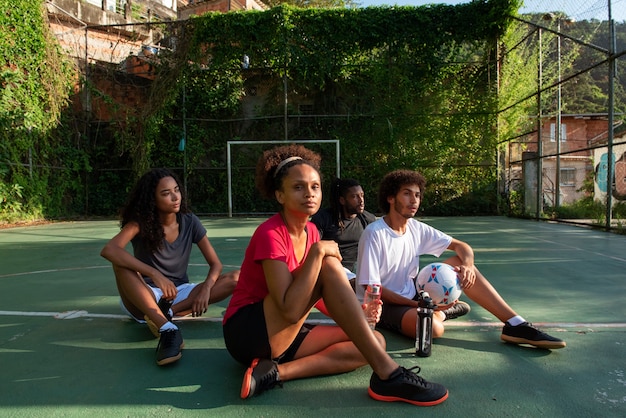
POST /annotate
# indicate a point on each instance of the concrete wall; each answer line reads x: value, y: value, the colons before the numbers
x: 69, y: 20
x: 199, y: 7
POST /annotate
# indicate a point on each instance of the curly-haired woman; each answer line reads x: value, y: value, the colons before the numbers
x: 152, y: 282
x: 285, y: 272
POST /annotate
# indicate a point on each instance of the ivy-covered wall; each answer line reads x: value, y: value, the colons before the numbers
x: 37, y: 157
x: 398, y: 86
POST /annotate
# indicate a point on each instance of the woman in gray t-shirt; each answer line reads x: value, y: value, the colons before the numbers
x: 153, y: 282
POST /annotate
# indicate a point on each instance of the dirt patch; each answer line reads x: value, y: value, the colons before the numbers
x: 25, y: 223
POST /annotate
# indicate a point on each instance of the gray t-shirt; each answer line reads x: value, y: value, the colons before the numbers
x: 172, y: 259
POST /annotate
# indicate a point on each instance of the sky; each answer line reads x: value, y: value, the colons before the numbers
x: 576, y: 9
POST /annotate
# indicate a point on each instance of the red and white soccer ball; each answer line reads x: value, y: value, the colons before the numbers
x: 440, y: 281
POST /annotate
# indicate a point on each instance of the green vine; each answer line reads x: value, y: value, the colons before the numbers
x: 36, y: 80
x: 413, y: 82
x: 399, y: 86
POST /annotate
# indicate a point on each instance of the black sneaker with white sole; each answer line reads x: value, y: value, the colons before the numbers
x: 404, y: 385
x: 170, y: 347
x: 526, y: 333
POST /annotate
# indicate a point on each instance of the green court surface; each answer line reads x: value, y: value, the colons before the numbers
x: 67, y: 350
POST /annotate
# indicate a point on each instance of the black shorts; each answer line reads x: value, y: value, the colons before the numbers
x: 245, y: 335
x: 391, y: 316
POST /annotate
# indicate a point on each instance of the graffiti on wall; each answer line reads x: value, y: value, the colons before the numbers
x: 617, y: 184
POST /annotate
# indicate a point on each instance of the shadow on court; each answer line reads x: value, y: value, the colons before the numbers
x: 66, y: 349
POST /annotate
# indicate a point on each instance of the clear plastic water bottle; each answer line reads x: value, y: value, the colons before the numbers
x: 372, y: 293
x: 424, y: 327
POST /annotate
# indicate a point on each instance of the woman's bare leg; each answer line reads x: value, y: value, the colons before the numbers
x: 326, y: 350
x: 346, y: 310
x: 336, y: 349
x: 137, y: 296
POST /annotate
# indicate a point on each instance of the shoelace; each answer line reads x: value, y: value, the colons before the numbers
x: 412, y: 376
x: 168, y: 338
x: 270, y: 380
x: 454, y: 312
x: 539, y: 332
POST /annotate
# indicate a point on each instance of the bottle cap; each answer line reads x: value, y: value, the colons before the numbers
x: 373, y: 289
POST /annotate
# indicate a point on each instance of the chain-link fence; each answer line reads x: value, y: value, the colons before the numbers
x: 564, y: 119
x: 561, y: 86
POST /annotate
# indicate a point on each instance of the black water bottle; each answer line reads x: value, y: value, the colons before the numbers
x: 424, y: 328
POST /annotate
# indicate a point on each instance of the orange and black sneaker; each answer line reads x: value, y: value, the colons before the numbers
x: 404, y: 385
x: 260, y: 376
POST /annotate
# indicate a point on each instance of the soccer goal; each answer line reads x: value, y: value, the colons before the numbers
x: 232, y: 144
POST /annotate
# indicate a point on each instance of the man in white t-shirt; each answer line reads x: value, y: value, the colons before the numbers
x: 389, y: 251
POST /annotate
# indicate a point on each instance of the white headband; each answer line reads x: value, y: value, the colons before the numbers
x: 284, y: 163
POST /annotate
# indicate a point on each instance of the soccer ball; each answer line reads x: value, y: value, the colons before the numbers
x: 440, y: 281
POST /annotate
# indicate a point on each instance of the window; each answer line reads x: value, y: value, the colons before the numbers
x: 553, y: 132
x: 568, y: 176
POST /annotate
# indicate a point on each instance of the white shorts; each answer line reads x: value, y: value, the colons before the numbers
x: 183, y: 293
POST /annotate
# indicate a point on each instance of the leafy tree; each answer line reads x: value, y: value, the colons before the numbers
x: 36, y: 83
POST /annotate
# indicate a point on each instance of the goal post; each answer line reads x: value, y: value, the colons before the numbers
x: 229, y: 160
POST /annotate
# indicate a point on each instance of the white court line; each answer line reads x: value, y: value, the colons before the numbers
x: 84, y: 314
x: 26, y: 273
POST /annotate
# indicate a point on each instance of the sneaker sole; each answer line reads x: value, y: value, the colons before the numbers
x: 382, y: 398
x: 170, y: 360
x: 548, y: 345
x: 247, y: 379
x: 173, y: 359
x: 152, y: 326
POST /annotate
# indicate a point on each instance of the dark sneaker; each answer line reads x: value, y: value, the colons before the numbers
x: 458, y: 309
x: 170, y: 347
x: 260, y: 376
x: 526, y: 333
x: 164, y: 305
x: 406, y: 386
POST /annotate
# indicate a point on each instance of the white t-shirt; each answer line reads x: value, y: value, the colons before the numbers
x: 392, y: 260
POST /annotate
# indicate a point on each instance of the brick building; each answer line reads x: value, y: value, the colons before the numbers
x: 101, y: 35
x: 582, y: 139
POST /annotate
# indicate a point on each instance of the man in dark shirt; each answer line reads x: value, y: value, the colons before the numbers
x: 345, y: 219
